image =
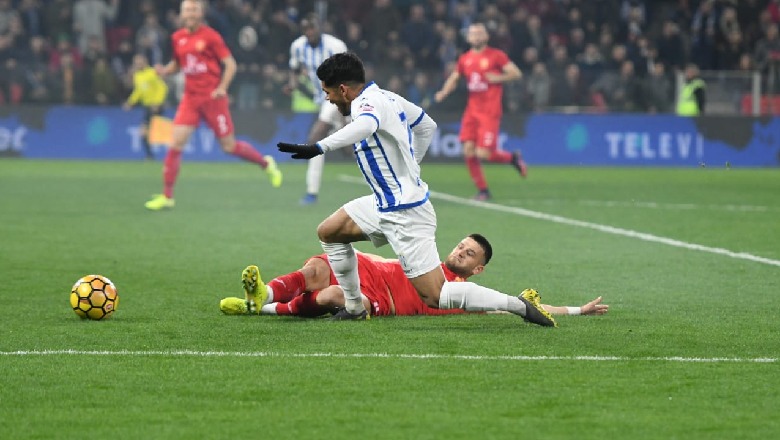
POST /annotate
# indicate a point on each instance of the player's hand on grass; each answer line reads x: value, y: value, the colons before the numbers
x: 300, y: 151
x: 219, y: 92
x: 595, y: 307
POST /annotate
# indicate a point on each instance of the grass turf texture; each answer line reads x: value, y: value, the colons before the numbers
x: 62, y: 220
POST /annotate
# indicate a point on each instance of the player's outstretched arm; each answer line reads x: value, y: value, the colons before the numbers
x: 510, y: 72
x: 448, y: 87
x: 593, y: 307
x: 352, y: 133
x: 168, y: 69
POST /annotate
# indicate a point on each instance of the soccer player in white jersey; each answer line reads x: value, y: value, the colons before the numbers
x: 307, y: 52
x: 390, y: 136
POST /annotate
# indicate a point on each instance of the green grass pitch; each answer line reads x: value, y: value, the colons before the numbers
x: 678, y: 356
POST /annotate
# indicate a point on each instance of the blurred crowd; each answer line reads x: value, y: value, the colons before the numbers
x: 617, y: 55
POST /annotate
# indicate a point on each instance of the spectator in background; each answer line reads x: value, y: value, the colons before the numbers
x: 58, y: 20
x: 417, y: 35
x: 31, y: 13
x: 558, y: 64
x: 747, y: 13
x: 591, y: 64
x: 14, y: 42
x: 730, y: 52
x: 382, y: 21
x: 103, y: 83
x: 529, y: 59
x: 576, y: 44
x: 67, y: 79
x: 671, y: 47
x: 93, y: 52
x: 569, y: 91
x: 152, y: 38
x: 448, y: 48
x: 64, y: 47
x: 420, y: 91
x: 12, y: 82
x: 7, y: 14
x: 121, y: 64
x: 660, y: 91
x: 767, y: 57
x: 538, y: 87
x: 89, y: 19
x: 272, y: 83
x: 357, y: 42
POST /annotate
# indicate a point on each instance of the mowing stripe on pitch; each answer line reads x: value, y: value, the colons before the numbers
x: 583, y: 224
x: 457, y: 357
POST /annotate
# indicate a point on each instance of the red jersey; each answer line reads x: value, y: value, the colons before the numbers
x: 199, y: 55
x: 405, y: 297
x: 484, y: 97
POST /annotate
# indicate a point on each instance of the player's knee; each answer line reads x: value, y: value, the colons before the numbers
x: 228, y: 146
x: 327, y: 231
x: 483, y: 153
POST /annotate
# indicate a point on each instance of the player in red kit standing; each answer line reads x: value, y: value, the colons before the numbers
x: 208, y: 67
x: 485, y: 69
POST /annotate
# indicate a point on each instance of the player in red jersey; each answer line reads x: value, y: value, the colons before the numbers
x: 208, y: 67
x: 313, y: 290
x: 485, y: 69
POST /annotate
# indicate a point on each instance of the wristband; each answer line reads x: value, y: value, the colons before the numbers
x: 574, y: 310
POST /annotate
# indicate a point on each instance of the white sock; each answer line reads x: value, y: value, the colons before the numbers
x: 475, y: 298
x: 344, y: 264
x: 270, y: 291
x: 268, y: 309
x: 314, y: 174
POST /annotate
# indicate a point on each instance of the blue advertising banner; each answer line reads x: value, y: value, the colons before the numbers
x: 63, y: 132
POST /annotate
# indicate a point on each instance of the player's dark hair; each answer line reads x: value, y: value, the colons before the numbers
x: 342, y: 68
x: 485, y: 244
x: 311, y: 20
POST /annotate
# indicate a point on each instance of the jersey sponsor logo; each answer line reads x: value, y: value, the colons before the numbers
x: 476, y: 83
x: 192, y: 66
x: 366, y: 107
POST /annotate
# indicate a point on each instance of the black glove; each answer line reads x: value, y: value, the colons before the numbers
x: 300, y: 151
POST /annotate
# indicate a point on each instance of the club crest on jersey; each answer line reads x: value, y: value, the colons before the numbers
x: 200, y: 45
x: 366, y: 107
x: 484, y: 63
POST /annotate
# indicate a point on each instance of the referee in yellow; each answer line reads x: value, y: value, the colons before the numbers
x: 150, y: 91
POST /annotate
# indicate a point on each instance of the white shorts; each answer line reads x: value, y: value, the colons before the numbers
x: 410, y: 232
x: 330, y: 115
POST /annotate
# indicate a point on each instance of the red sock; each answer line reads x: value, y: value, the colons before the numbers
x: 248, y: 153
x: 171, y: 166
x: 287, y: 287
x: 500, y: 156
x: 475, y: 169
x: 302, y: 305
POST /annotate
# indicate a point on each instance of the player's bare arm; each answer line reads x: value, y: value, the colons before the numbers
x: 594, y: 307
x: 168, y: 69
x: 448, y: 87
x: 510, y: 72
x: 228, y: 73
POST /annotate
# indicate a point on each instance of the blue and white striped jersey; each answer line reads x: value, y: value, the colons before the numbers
x: 303, y: 55
x: 384, y: 132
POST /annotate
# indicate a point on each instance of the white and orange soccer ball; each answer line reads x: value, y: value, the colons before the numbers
x: 94, y: 297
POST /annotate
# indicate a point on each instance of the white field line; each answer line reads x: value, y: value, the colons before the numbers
x: 583, y: 224
x: 650, y: 205
x: 270, y: 354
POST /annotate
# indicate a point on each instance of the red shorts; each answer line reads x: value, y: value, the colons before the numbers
x: 214, y: 112
x: 481, y: 129
x: 372, y: 284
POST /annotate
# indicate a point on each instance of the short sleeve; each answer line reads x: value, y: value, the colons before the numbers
x: 460, y: 66
x: 294, y: 61
x: 219, y: 47
x: 501, y: 59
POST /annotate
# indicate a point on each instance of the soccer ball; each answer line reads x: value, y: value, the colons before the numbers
x: 94, y: 297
